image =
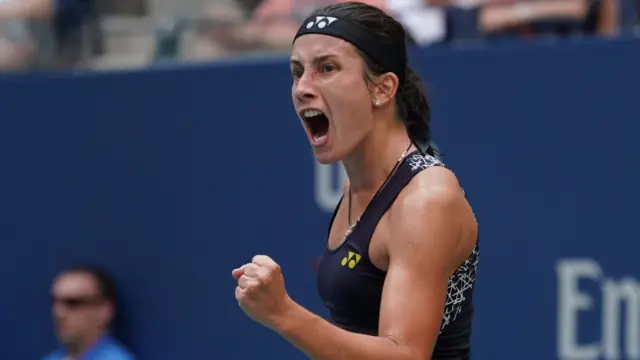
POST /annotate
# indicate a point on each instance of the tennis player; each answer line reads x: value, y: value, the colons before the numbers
x: 400, y: 262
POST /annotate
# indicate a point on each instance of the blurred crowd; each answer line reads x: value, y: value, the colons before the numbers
x: 45, y: 34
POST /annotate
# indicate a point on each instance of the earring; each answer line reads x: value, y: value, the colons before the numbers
x: 377, y: 102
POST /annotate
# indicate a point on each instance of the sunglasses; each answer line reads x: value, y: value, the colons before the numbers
x: 73, y: 302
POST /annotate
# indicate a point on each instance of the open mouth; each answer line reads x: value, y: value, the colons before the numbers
x: 317, y: 124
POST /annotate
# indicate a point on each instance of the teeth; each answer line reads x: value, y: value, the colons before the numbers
x: 319, y: 138
x: 311, y: 113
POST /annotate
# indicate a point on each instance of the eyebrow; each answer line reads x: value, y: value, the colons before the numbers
x: 316, y: 60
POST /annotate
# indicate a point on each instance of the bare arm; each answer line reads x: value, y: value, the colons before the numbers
x: 434, y: 232
x: 26, y: 9
x: 608, y: 18
x: 494, y: 18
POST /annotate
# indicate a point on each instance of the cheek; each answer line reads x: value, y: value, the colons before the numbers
x: 349, y: 99
x: 80, y: 318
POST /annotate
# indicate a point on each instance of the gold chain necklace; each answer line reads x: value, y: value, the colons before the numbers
x: 351, y: 226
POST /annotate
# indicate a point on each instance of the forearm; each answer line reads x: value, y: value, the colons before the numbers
x: 26, y: 9
x: 320, y: 340
x: 502, y: 16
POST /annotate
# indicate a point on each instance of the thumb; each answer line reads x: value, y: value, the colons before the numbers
x: 236, y: 273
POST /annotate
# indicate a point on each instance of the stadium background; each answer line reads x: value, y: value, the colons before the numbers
x: 173, y: 175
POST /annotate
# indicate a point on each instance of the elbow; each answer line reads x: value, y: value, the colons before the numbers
x: 409, y: 353
x: 413, y: 356
x: 414, y: 353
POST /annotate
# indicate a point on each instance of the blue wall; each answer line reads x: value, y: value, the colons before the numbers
x: 173, y: 177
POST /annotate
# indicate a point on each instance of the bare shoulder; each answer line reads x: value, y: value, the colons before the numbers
x: 433, y: 214
x: 435, y: 188
x: 436, y: 183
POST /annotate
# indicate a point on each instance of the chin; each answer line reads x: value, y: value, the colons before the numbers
x: 325, y: 161
x: 68, y: 339
x: 329, y: 153
x: 326, y: 158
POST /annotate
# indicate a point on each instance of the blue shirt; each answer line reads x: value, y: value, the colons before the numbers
x: 105, y: 349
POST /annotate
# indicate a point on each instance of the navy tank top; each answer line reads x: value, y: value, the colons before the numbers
x: 351, y: 286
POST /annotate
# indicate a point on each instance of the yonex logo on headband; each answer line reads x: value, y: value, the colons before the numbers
x: 321, y: 22
x: 392, y: 56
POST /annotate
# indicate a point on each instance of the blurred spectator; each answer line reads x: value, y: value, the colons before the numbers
x: 240, y: 27
x: 34, y: 32
x: 16, y: 43
x: 221, y: 32
x: 275, y: 22
x: 253, y: 25
x: 469, y: 19
x: 424, y: 21
x: 84, y: 304
x: 558, y: 17
x: 235, y: 26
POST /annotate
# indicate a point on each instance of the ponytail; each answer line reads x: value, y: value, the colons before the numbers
x: 415, y: 112
x: 411, y: 105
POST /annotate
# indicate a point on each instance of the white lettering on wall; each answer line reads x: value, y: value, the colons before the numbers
x: 328, y: 184
x: 616, y: 296
x: 570, y: 302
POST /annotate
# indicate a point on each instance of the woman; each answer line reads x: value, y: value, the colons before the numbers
x: 398, y: 272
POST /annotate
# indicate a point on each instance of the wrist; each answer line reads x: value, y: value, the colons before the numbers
x: 287, y: 317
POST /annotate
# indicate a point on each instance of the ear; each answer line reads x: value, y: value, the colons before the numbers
x: 385, y: 89
x: 107, y: 312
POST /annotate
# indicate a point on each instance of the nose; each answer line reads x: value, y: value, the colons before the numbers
x: 304, y: 88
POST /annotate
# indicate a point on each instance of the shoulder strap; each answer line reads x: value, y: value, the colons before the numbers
x: 333, y: 217
x: 380, y: 204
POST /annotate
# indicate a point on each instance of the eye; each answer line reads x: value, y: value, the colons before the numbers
x: 296, y: 73
x: 328, y: 68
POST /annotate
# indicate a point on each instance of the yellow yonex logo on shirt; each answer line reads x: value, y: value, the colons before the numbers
x: 351, y: 260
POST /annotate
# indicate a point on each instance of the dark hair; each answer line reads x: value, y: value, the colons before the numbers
x: 411, y: 100
x: 105, y: 284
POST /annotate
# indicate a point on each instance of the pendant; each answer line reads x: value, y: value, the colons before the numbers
x: 350, y: 230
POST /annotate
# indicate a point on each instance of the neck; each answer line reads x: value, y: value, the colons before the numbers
x: 75, y: 350
x: 373, y: 160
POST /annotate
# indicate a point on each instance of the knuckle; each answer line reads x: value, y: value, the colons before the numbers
x: 264, y: 278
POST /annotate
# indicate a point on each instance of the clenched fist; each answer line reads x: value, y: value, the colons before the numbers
x: 260, y: 291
